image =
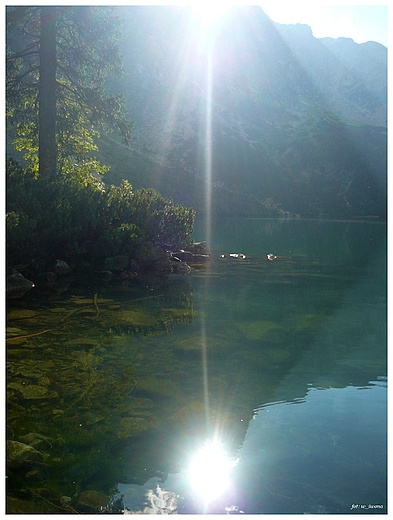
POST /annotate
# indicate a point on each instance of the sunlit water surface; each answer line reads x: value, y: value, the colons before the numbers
x: 250, y: 385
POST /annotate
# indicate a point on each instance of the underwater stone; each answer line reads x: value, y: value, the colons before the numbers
x: 35, y: 439
x: 91, y: 501
x: 19, y: 453
x: 193, y: 415
x: 20, y: 314
x: 132, y: 426
x: 135, y: 406
x: 256, y: 329
x: 134, y: 318
x: 161, y: 387
x: 32, y: 391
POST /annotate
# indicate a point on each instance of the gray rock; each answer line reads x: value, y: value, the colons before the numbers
x: 180, y: 267
x: 18, y: 285
x: 191, y: 258
x: 194, y: 254
x: 199, y: 248
x: 62, y: 268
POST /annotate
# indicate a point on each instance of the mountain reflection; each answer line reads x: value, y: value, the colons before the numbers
x: 117, y: 402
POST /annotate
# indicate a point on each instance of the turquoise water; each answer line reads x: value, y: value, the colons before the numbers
x: 275, y: 369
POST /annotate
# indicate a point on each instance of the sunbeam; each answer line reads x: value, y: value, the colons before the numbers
x: 208, y: 14
x: 209, y: 144
x: 205, y: 377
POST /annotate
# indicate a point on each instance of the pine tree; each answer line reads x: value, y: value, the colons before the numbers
x: 58, y: 61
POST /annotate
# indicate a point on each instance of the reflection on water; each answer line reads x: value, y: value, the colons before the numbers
x: 320, y: 454
x: 113, y: 390
x: 148, y: 500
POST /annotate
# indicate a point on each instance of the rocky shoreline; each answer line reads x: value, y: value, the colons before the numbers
x: 149, y: 262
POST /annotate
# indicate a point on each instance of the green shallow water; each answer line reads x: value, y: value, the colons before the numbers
x: 112, y: 388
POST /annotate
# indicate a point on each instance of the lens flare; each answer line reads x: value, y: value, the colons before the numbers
x: 210, y: 13
x: 210, y: 471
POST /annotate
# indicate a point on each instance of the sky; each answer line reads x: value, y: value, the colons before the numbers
x: 361, y: 23
x: 361, y: 20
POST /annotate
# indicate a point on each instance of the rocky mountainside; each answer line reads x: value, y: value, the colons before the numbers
x: 263, y: 117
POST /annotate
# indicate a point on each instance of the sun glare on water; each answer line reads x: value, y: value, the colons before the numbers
x: 210, y: 472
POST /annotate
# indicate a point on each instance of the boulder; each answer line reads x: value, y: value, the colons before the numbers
x: 62, y: 268
x: 191, y: 258
x: 179, y: 267
x: 199, y: 248
x: 18, y: 285
x: 194, y: 254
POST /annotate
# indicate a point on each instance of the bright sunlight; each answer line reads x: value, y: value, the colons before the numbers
x: 210, y: 471
x: 208, y: 13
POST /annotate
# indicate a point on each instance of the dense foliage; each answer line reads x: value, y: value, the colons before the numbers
x: 84, y: 48
x: 49, y: 219
x: 58, y: 62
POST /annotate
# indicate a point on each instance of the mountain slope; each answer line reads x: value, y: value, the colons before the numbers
x: 253, y: 118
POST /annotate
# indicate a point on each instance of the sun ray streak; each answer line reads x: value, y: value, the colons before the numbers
x: 205, y: 378
x: 209, y: 144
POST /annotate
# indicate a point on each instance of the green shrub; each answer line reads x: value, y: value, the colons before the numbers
x: 62, y: 218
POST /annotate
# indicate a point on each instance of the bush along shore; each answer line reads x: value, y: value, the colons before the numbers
x: 68, y: 227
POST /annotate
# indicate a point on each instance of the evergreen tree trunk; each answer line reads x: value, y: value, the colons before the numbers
x: 47, y: 152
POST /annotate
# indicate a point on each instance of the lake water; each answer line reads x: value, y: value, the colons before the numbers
x: 250, y: 386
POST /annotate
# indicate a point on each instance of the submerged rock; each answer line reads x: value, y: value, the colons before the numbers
x: 92, y: 501
x: 19, y: 454
x: 256, y: 329
x: 132, y: 426
x: 162, y: 387
x: 20, y: 314
x: 134, y: 318
x: 192, y: 417
x: 35, y: 439
x: 32, y: 391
